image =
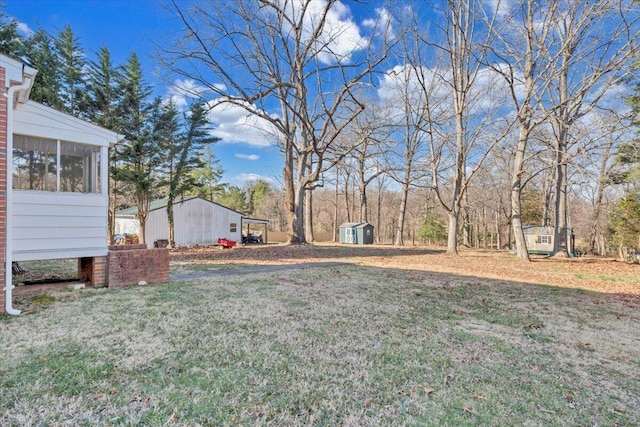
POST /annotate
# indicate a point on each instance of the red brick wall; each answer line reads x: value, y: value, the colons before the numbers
x: 130, y: 264
x: 3, y: 185
x: 93, y: 270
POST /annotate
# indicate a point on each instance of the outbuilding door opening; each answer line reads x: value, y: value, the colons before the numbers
x: 350, y: 235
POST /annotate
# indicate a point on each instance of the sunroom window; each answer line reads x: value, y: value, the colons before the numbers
x: 51, y: 165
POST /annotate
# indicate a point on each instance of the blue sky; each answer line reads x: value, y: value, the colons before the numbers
x: 125, y: 26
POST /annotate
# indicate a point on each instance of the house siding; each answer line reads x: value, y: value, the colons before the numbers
x: 48, y: 225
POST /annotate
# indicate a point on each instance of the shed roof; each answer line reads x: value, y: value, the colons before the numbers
x: 162, y: 204
x: 355, y: 225
x: 255, y: 221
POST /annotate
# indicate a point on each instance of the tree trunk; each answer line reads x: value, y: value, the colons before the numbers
x: 297, y: 218
x: 347, y: 205
x: 335, y: 210
x: 379, y: 213
x: 143, y: 228
x: 560, y: 246
x: 308, y: 216
x: 452, y: 236
x: 522, y: 252
x: 171, y: 240
x: 294, y: 197
x: 402, y: 211
x: 364, y: 213
x: 596, y: 238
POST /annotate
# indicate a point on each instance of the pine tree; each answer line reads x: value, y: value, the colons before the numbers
x: 101, y: 109
x: 183, y: 153
x: 137, y: 160
x: 11, y: 43
x: 208, y: 175
x: 41, y: 54
x: 624, y: 225
x: 72, y: 80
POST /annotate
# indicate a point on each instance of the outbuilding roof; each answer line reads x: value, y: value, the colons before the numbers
x: 355, y: 225
x: 162, y: 204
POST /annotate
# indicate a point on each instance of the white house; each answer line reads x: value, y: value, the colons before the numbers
x: 55, y: 197
x: 196, y: 221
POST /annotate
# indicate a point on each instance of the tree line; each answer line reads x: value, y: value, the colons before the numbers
x: 455, y: 120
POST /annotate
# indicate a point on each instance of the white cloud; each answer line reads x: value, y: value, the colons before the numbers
x: 183, y: 90
x: 340, y: 37
x: 249, y: 177
x: 488, y: 92
x: 382, y: 23
x: 24, y: 29
x: 501, y: 8
x: 234, y: 124
x: 251, y: 157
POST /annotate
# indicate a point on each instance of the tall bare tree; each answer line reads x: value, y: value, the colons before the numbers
x: 295, y: 64
x: 368, y: 135
x: 591, y: 50
x: 467, y: 138
x: 411, y: 100
x: 519, y: 56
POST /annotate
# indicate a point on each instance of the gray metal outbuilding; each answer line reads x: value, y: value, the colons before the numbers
x: 197, y: 221
x: 359, y: 233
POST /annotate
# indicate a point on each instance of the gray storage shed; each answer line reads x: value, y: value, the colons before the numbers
x: 359, y: 233
x: 540, y: 239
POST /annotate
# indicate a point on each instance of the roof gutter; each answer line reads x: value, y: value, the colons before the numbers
x: 22, y: 90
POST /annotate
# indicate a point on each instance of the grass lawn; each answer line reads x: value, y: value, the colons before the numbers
x: 348, y: 345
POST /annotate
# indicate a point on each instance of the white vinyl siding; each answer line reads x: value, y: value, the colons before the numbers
x: 38, y: 120
x: 50, y: 225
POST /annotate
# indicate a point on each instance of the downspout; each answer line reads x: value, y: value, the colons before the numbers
x: 8, y: 280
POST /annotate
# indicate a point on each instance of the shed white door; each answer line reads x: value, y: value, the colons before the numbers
x: 350, y: 235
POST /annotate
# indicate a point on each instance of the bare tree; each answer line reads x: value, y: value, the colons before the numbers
x: 409, y: 97
x: 519, y: 59
x: 590, y: 51
x: 294, y: 64
x: 368, y: 135
x: 467, y: 138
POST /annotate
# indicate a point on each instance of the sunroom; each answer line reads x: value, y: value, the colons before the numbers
x: 56, y: 174
x: 59, y: 180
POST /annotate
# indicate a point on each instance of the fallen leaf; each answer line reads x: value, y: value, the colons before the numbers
x: 447, y: 379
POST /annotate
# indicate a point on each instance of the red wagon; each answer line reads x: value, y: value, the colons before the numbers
x: 226, y: 244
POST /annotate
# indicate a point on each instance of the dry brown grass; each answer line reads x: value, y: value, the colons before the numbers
x: 400, y: 338
x: 589, y: 273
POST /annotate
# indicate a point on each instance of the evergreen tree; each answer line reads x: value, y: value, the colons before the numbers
x: 136, y: 162
x: 183, y: 154
x: 432, y: 228
x: 72, y: 80
x: 101, y: 109
x: 232, y: 197
x: 11, y: 43
x: 41, y: 54
x: 624, y: 225
x: 208, y: 175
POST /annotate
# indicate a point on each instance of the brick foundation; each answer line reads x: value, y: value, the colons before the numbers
x: 130, y: 264
x: 93, y: 271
